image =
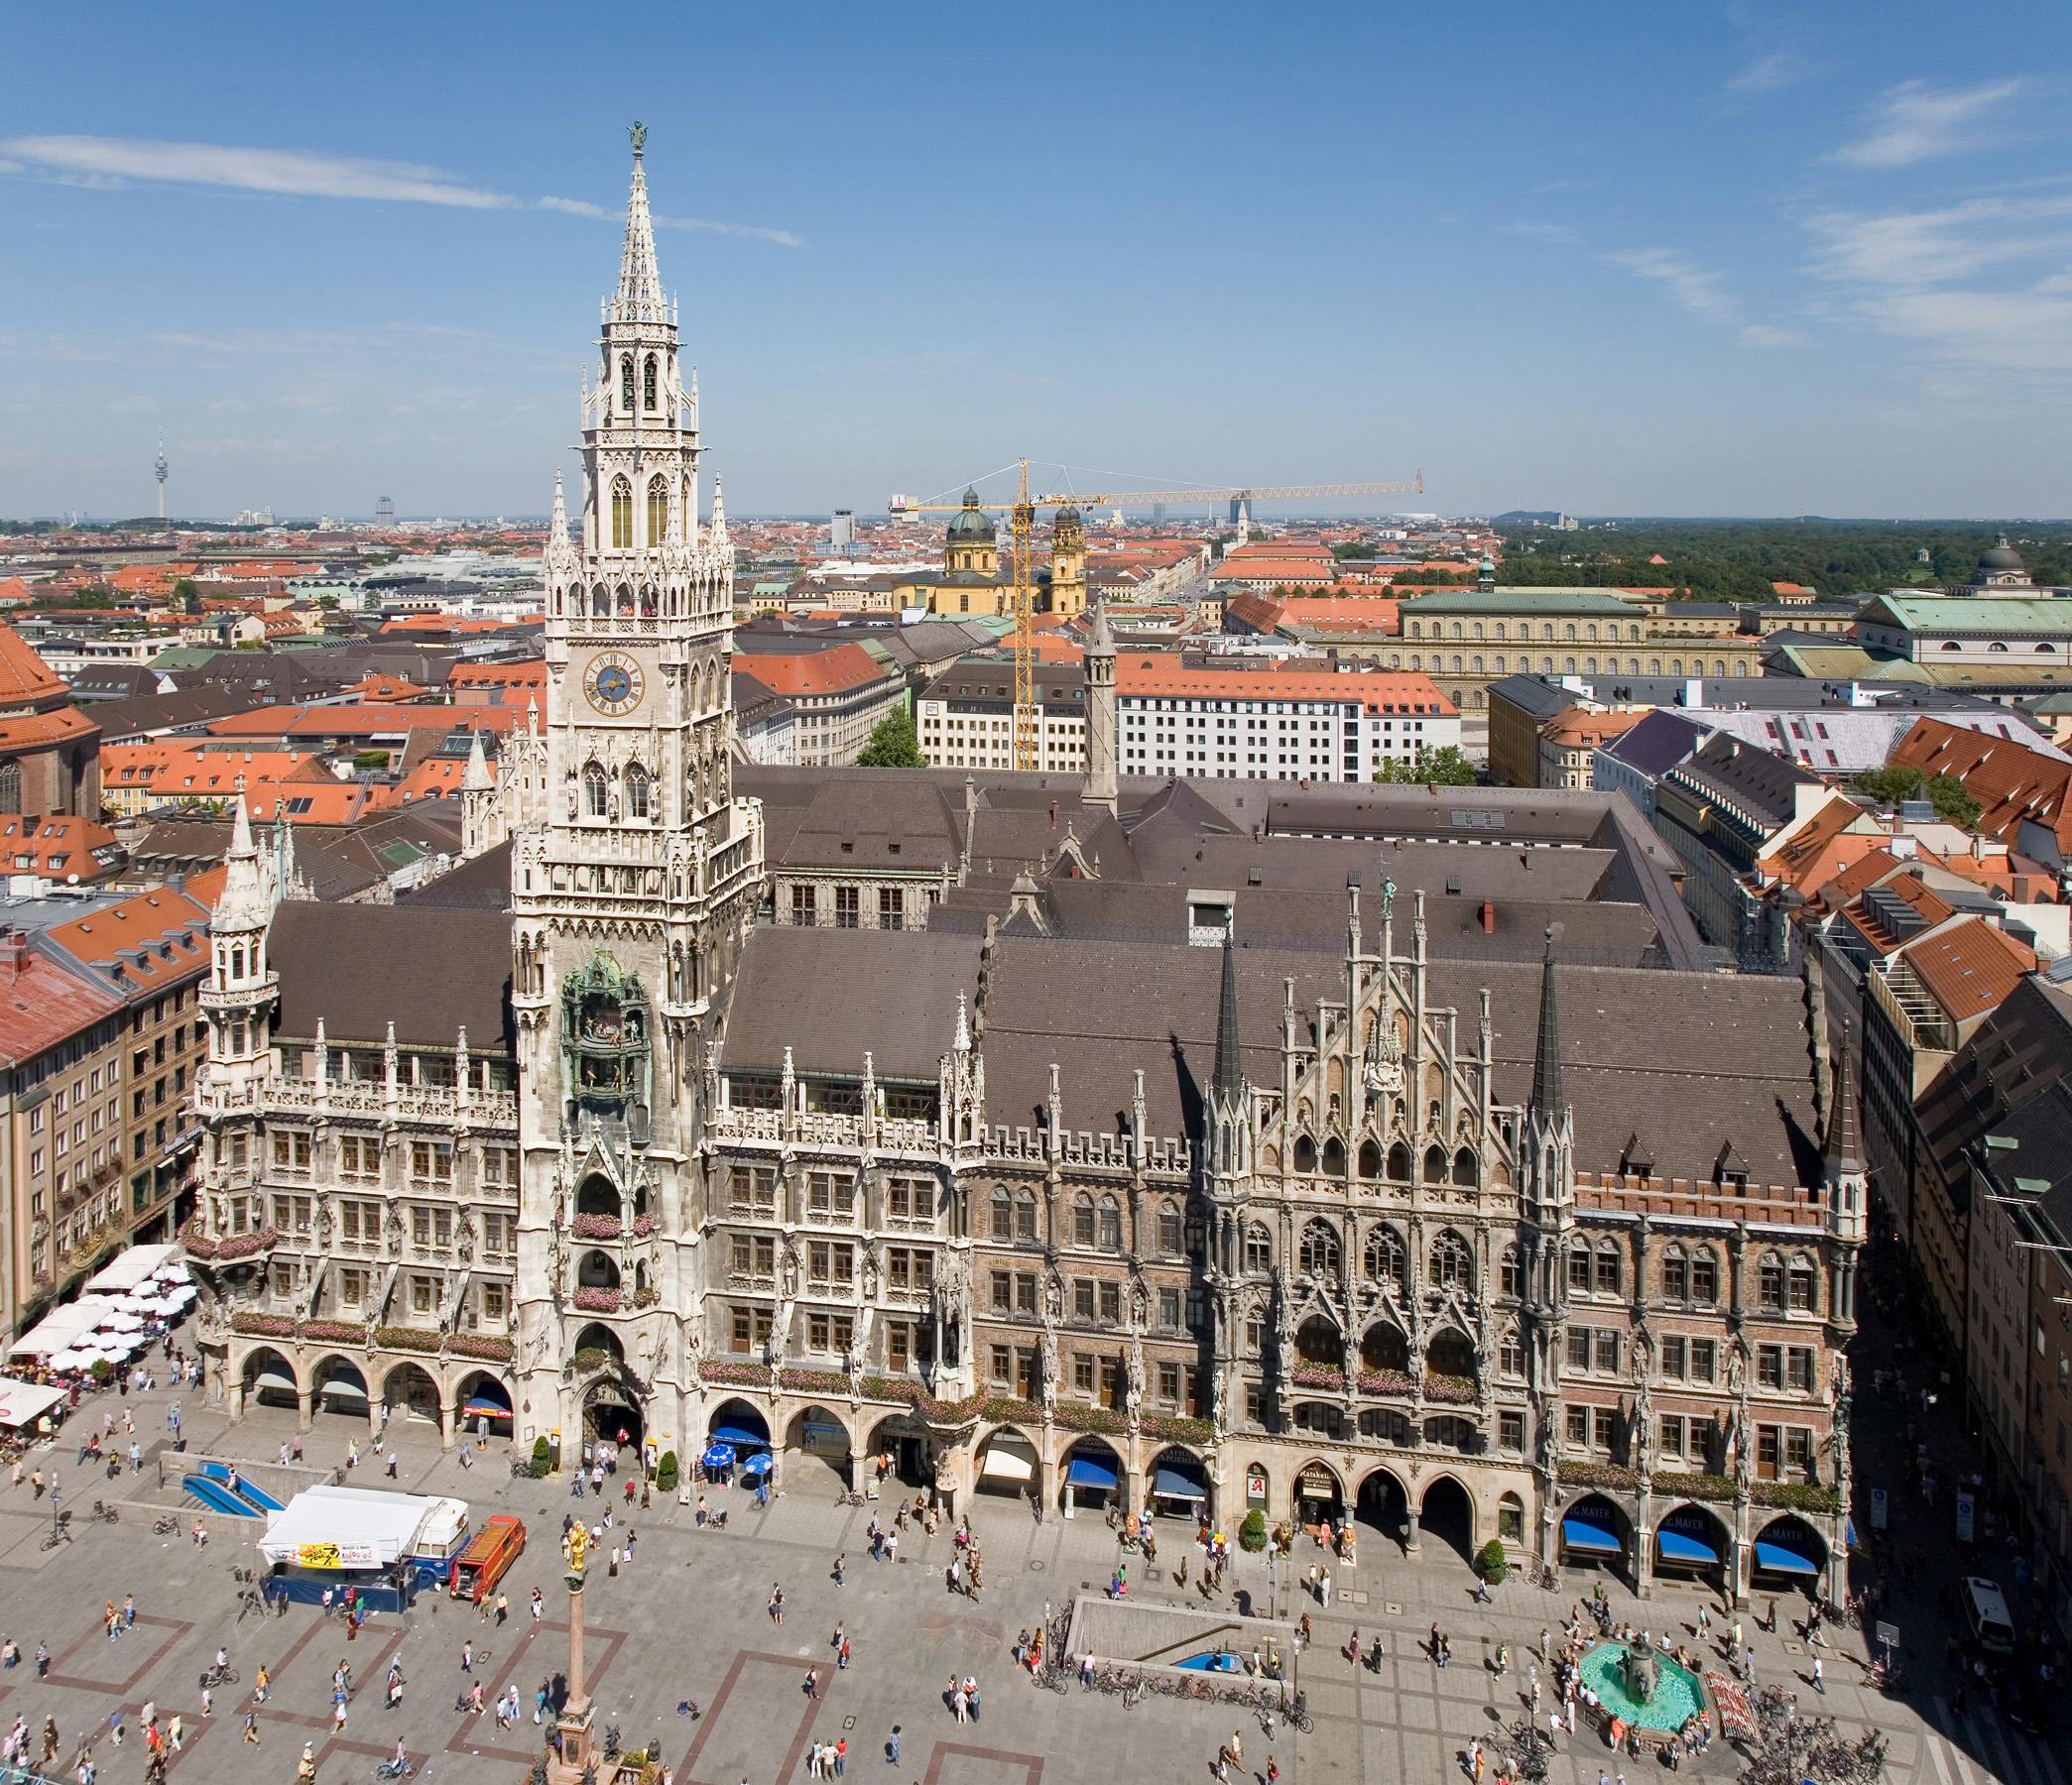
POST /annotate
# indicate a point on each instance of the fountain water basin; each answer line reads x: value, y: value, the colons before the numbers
x: 1675, y: 1698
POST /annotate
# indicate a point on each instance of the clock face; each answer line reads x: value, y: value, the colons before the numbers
x: 613, y: 684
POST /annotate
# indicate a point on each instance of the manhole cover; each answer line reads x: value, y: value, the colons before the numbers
x: 1036, y: 1565
x: 904, y: 1560
x: 1794, y: 1648
x: 1155, y: 1574
x: 848, y: 1723
x: 1087, y: 1585
x: 1393, y: 1611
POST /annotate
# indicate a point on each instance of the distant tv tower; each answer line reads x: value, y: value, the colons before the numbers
x: 161, y: 467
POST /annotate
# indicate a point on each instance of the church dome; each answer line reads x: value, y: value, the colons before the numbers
x: 973, y: 525
x: 2002, y: 558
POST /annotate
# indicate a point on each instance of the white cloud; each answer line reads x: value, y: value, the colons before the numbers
x: 1915, y: 122
x: 1986, y: 283
x: 579, y: 207
x: 1768, y: 74
x: 1701, y: 293
x: 288, y: 171
x: 784, y: 236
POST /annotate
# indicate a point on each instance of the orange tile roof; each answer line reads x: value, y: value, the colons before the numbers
x: 1574, y: 726
x: 14, y: 591
x: 57, y: 848
x: 813, y: 671
x: 42, y: 1005
x: 138, y: 922
x: 442, y: 623
x: 23, y: 674
x: 531, y: 674
x: 1859, y: 878
x: 1970, y: 968
x: 2014, y: 781
x: 377, y: 688
x: 1278, y: 549
x: 1400, y: 690
x: 365, y: 719
x: 45, y: 728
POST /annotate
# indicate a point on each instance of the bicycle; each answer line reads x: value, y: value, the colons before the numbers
x: 102, y: 1514
x: 165, y: 1526
x: 848, y: 1496
x: 213, y: 1676
x: 1298, y: 1714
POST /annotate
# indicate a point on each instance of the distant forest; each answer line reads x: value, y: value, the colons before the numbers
x: 1738, y: 560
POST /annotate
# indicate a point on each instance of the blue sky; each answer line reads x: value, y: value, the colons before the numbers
x: 1741, y: 259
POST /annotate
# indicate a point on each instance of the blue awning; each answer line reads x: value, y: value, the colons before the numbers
x: 1848, y: 1534
x: 1084, y: 1473
x: 740, y: 1439
x: 1774, y: 1558
x: 1171, y: 1483
x: 1681, y: 1546
x: 1586, y: 1535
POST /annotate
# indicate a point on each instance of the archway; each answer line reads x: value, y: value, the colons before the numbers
x: 599, y: 1340
x: 1451, y: 1354
x: 1093, y: 1474
x: 1789, y: 1552
x: 899, y: 1451
x: 1006, y: 1464
x: 269, y: 1379
x: 1692, y: 1540
x: 819, y: 1433
x: 1385, y: 1346
x: 1318, y: 1342
x: 483, y: 1404
x: 597, y: 1270
x: 1319, y: 1496
x: 340, y: 1387
x: 737, y: 1427
x: 1594, y: 1532
x: 410, y: 1391
x: 1383, y: 1505
x: 1179, y: 1485
x: 598, y: 1195
x: 1448, y: 1514
x: 611, y: 1413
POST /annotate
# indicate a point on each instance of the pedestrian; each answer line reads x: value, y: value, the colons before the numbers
x: 261, y: 1686
x: 841, y: 1754
x: 352, y: 1453
x: 892, y: 1746
x: 960, y: 1706
x: 467, y: 1657
x: 776, y: 1604
x: 252, y: 1727
x: 1819, y: 1680
x: 173, y: 1730
x: 838, y: 1561
x: 208, y: 1702
x: 392, y: 1465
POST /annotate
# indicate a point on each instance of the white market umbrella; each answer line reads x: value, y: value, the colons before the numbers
x: 73, y: 1360
x: 120, y: 1319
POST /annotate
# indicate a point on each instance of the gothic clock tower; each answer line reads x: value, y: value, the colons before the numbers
x: 634, y: 877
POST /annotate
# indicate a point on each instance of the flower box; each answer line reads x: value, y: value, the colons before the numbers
x: 1178, y: 1430
x: 1386, y: 1381
x: 1318, y: 1376
x: 333, y: 1332
x: 595, y: 1227
x: 643, y: 1225
x: 1797, y: 1496
x: 490, y: 1349
x: 599, y: 1301
x: 646, y: 1298
x: 411, y: 1339
x: 264, y: 1326
x: 814, y: 1381
x: 1597, y: 1474
x: 734, y: 1372
x: 1459, y: 1390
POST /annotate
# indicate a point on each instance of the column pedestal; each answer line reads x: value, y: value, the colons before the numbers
x: 1411, y: 1542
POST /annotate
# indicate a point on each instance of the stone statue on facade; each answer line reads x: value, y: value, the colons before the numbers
x: 1049, y: 1369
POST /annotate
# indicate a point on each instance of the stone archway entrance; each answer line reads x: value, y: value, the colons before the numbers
x: 1449, y: 1515
x: 1383, y: 1506
x: 609, y: 1410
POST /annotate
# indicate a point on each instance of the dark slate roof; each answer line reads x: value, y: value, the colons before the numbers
x: 360, y: 967
x: 1747, y: 777
x: 2021, y: 1050
x: 482, y: 885
x: 154, y: 714
x: 1728, y: 1067
x: 1658, y: 743
x: 831, y: 996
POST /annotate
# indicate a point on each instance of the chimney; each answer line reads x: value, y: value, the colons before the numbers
x: 14, y: 954
x: 1489, y: 916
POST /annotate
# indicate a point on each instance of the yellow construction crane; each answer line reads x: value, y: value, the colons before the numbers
x: 1022, y: 513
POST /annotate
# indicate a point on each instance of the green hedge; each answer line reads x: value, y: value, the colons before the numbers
x: 1495, y: 1564
x: 666, y: 1472
x: 1251, y: 1534
x: 542, y: 1457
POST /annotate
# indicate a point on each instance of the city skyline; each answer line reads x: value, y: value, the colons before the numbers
x: 1843, y: 246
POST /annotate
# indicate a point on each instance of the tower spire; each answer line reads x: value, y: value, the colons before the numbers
x: 1230, y: 1069
x: 560, y: 535
x: 1845, y: 1157
x: 1547, y: 1061
x: 639, y: 297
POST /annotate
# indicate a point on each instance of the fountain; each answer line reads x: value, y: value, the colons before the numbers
x: 1640, y: 1686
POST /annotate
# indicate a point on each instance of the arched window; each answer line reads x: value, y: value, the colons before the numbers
x: 1547, y: 632
x: 1456, y: 629
x: 625, y: 383
x: 1467, y: 1169
x: 1305, y: 1153
x: 1804, y: 1286
x: 1718, y: 666
x: 624, y: 593
x: 1025, y: 1217
x: 1451, y: 1265
x: 1995, y: 645
x: 1369, y: 1159
x: 1510, y: 1519
x: 1570, y: 633
x: 1334, y: 1157
x: 597, y: 791
x: 639, y: 792
x: 600, y: 600
x: 1400, y: 1163
x: 1769, y: 1284
x: 1434, y: 1165
x: 622, y: 513
x: 1111, y: 1224
x: 1258, y: 1248
x: 1579, y: 1270
x: 648, y: 383
x: 1590, y: 634
x: 1319, y: 1254
x: 1512, y: 1275
x: 657, y: 509
x: 1609, y: 1272
x: 1385, y: 1259
x: 1003, y: 1216
x: 1083, y: 1221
